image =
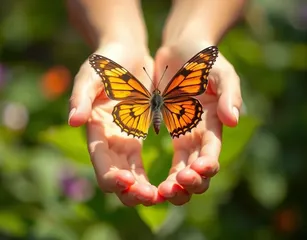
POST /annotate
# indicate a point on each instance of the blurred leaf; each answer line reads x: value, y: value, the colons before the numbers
x: 299, y: 53
x: 50, y: 226
x: 13, y: 160
x: 12, y: 224
x: 176, y: 216
x: 153, y: 216
x: 235, y: 139
x: 157, y: 155
x: 7, y: 136
x: 46, y: 179
x: 71, y: 141
x: 99, y: 232
x: 83, y: 212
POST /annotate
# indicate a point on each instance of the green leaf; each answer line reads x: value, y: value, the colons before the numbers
x: 153, y: 216
x: 235, y: 139
x: 12, y: 224
x: 46, y: 185
x: 71, y: 141
x: 157, y: 155
x: 100, y: 231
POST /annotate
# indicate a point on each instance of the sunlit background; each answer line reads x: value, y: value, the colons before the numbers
x: 47, y: 185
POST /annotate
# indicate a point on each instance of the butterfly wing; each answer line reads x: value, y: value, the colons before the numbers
x: 192, y: 78
x: 119, y: 83
x: 132, y: 114
x: 133, y: 117
x: 181, y: 115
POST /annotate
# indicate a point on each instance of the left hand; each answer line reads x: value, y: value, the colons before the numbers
x: 196, y: 154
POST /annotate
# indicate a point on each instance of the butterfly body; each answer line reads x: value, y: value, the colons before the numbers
x: 156, y: 105
x: 176, y: 106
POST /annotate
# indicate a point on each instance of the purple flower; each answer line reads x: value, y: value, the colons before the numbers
x: 75, y: 187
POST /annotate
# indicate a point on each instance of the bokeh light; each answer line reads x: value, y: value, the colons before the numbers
x: 15, y: 116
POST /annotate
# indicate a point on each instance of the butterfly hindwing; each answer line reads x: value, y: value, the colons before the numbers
x: 119, y: 83
x: 133, y: 117
x: 192, y: 78
x: 181, y: 115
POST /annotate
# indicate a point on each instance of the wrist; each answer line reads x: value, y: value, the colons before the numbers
x: 192, y: 31
x: 201, y: 20
x: 102, y: 21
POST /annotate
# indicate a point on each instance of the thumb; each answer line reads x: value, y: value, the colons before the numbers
x: 227, y: 84
x: 87, y: 86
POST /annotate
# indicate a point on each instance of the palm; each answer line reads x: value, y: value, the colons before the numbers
x: 119, y: 147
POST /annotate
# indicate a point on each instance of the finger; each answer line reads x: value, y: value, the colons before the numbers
x: 227, y: 84
x: 173, y: 192
x: 195, y: 177
x: 114, y: 180
x: 137, y: 194
x: 87, y: 86
x: 170, y: 189
x: 192, y: 182
x: 109, y: 177
x: 138, y: 171
x: 112, y: 173
x: 123, y: 172
x: 207, y: 165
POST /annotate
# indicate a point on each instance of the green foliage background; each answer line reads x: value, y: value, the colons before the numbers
x: 47, y: 185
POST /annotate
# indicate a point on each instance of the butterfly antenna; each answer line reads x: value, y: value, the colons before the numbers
x: 160, y: 78
x: 148, y: 76
x: 162, y: 75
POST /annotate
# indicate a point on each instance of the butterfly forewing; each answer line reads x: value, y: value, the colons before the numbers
x: 192, y: 78
x: 119, y: 83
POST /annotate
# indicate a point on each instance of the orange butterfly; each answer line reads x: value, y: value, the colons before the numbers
x: 138, y: 107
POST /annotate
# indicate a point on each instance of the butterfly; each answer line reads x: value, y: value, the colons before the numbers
x: 138, y: 108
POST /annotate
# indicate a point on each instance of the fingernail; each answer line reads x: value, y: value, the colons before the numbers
x: 71, y: 113
x: 236, y: 113
x: 121, y: 185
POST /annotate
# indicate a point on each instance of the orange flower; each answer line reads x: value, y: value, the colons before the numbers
x: 55, y: 82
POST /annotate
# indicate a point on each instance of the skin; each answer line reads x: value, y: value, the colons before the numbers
x: 117, y: 158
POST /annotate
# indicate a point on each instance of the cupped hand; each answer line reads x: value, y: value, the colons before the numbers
x: 116, y: 157
x: 196, y: 154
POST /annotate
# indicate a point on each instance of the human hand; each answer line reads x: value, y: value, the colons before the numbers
x: 116, y: 158
x: 196, y: 155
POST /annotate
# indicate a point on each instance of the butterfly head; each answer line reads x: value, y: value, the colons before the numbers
x: 156, y: 92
